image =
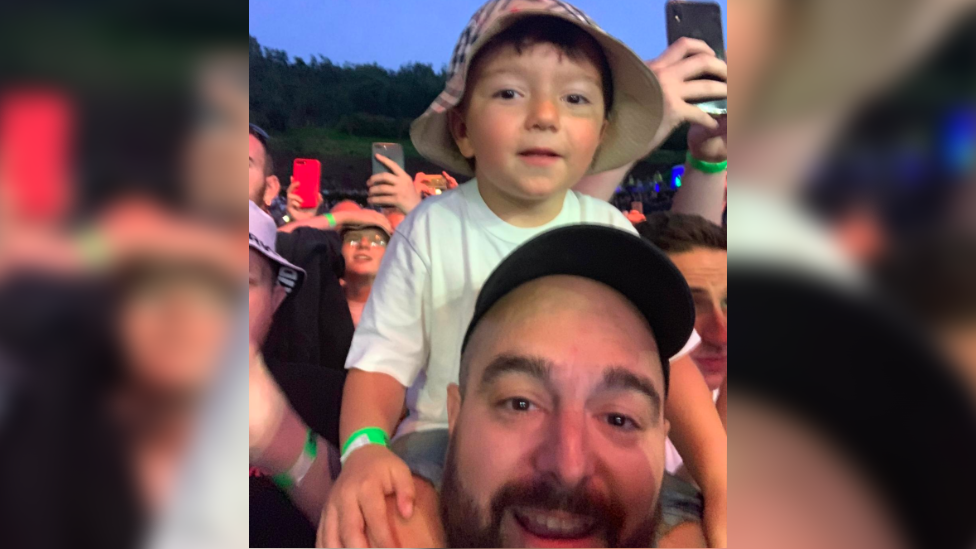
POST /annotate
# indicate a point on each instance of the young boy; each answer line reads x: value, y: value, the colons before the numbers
x: 539, y: 97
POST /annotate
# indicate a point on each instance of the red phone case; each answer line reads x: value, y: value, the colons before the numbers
x: 308, y: 173
x: 36, y: 142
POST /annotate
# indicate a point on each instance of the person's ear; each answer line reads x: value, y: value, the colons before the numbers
x: 271, y: 189
x: 278, y: 295
x: 459, y: 131
x: 453, y: 406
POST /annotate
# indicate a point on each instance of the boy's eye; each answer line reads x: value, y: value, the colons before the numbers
x: 577, y: 99
x: 507, y: 94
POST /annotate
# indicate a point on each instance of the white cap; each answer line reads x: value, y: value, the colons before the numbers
x: 261, y: 235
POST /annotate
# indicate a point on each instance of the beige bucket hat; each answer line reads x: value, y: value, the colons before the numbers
x: 638, y: 103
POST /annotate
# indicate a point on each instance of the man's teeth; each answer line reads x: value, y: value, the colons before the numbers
x: 560, y: 526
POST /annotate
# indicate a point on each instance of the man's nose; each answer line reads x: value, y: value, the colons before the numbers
x: 543, y: 114
x: 363, y: 242
x: 716, y: 328
x: 565, y: 451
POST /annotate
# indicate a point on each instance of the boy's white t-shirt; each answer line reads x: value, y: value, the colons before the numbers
x: 424, y: 294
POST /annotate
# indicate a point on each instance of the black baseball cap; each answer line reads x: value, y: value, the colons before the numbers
x: 623, y: 261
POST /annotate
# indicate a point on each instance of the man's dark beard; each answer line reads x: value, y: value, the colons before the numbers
x: 463, y: 519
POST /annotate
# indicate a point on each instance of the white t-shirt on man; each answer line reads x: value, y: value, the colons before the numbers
x: 425, y: 292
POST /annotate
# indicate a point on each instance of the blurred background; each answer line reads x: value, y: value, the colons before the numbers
x: 121, y: 275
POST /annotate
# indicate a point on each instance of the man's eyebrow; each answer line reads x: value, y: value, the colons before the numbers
x: 619, y: 378
x: 534, y: 367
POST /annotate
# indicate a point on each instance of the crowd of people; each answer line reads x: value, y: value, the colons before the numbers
x: 513, y: 361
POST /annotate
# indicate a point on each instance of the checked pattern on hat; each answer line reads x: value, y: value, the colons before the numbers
x: 454, y: 90
x: 491, y: 10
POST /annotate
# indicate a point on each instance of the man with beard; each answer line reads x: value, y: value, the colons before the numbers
x: 557, y: 428
x: 262, y: 184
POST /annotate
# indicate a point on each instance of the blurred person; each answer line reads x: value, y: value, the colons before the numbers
x: 933, y: 281
x: 222, y: 108
x: 557, y: 424
x: 363, y: 247
x: 527, y: 145
x: 822, y: 456
x: 807, y: 67
x: 174, y: 327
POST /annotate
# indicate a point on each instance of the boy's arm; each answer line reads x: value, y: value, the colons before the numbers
x: 370, y: 399
x: 697, y: 433
x: 388, y: 351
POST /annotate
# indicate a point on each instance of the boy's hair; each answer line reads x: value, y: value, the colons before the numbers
x: 570, y: 39
x: 677, y: 233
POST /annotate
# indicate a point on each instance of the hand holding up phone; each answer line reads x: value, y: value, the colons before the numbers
x: 394, y: 189
x: 295, y: 202
x: 683, y: 70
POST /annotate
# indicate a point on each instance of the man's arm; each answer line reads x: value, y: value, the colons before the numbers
x: 322, y: 222
x: 277, y: 439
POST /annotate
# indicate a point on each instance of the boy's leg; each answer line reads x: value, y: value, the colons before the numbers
x: 681, y: 515
x: 423, y: 528
x: 425, y: 453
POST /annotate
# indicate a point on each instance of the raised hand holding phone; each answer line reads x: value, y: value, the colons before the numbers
x: 392, y: 187
x: 296, y: 203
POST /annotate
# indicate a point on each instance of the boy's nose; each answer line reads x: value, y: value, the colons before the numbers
x: 543, y: 115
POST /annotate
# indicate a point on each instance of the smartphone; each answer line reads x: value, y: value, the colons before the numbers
x: 393, y: 151
x: 703, y: 21
x: 438, y: 183
x: 308, y: 173
x: 36, y: 153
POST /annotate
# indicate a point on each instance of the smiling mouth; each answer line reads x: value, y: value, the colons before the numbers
x: 558, y: 525
x: 362, y: 256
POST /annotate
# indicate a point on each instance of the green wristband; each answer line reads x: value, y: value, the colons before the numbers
x: 364, y: 437
x: 331, y: 219
x: 94, y: 248
x: 287, y: 481
x: 707, y: 167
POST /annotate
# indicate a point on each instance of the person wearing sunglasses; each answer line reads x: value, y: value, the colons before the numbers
x: 363, y: 247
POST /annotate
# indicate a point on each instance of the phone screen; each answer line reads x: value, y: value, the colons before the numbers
x: 702, y: 21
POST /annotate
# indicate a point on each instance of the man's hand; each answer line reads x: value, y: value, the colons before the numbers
x: 395, y: 190
x: 295, y: 210
x: 710, y: 145
x: 681, y: 70
x: 356, y: 513
x: 362, y: 217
